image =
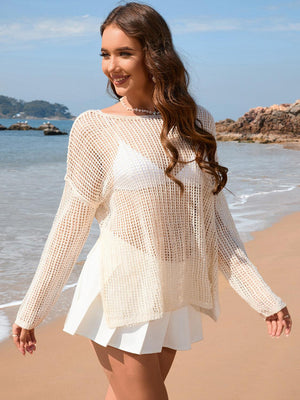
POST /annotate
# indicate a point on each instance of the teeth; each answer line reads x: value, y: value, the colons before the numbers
x: 120, y: 79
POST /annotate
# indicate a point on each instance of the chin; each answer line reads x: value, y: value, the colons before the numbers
x: 121, y: 91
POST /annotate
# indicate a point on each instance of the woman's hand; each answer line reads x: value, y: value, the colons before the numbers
x: 278, y: 322
x: 24, y: 339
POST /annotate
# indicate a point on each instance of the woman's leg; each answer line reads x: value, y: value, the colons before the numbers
x: 135, y: 376
x: 110, y: 394
x: 166, y: 358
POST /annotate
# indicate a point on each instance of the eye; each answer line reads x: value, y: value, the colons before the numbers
x: 103, y: 54
x: 125, y: 54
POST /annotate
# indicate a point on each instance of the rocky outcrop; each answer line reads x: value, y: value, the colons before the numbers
x: 48, y: 128
x: 20, y: 126
x: 2, y: 127
x: 46, y: 125
x: 54, y: 131
x: 278, y: 123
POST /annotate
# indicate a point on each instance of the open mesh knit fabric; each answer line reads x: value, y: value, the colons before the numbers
x: 157, y: 251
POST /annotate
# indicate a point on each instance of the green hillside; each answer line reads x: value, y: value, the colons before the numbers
x: 13, y: 108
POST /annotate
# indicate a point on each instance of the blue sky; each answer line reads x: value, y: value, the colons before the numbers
x: 239, y: 54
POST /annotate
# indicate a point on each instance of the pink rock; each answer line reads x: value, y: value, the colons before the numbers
x: 278, y: 119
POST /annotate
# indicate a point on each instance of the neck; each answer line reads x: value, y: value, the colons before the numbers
x: 136, y: 106
x: 145, y: 102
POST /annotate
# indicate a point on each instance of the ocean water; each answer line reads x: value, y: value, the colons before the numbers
x: 264, y: 180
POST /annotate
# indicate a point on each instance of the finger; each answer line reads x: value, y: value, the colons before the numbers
x: 24, y: 339
x: 288, y: 321
x: 274, y: 328
x: 22, y: 347
x: 285, y: 326
x: 269, y: 326
x: 288, y: 326
x: 17, y: 341
x: 280, y: 327
x: 29, y: 346
x: 33, y: 339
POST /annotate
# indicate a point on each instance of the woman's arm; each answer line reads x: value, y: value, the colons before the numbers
x: 241, y: 274
x: 236, y: 266
x: 80, y: 199
x: 67, y: 236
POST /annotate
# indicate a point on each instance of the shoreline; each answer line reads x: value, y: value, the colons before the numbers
x: 65, y: 366
x: 258, y: 138
x: 34, y: 118
x: 291, y: 145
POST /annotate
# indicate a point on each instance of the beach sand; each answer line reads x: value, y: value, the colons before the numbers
x: 237, y: 360
x: 291, y: 145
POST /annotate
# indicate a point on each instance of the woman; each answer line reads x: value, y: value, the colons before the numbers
x: 147, y: 169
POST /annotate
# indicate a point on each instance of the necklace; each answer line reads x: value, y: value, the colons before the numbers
x: 140, y: 110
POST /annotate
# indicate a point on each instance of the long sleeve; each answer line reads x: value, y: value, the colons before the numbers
x: 234, y: 263
x: 79, y: 202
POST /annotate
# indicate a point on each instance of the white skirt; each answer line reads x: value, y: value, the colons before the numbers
x: 176, y: 329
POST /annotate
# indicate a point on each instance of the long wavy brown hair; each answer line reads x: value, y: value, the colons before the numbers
x: 170, y: 96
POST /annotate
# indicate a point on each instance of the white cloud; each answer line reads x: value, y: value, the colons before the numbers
x: 206, y: 24
x: 50, y: 28
x: 282, y: 5
x: 34, y: 30
x: 282, y: 27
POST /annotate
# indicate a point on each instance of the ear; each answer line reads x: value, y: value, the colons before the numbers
x: 151, y: 77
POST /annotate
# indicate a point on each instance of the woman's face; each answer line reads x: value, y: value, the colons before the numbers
x: 123, y: 64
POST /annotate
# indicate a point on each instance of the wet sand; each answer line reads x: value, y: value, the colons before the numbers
x: 237, y: 360
x: 292, y: 145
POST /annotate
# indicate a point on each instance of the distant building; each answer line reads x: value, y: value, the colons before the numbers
x: 18, y: 114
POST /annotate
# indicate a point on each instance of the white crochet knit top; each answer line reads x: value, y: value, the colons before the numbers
x: 158, y: 251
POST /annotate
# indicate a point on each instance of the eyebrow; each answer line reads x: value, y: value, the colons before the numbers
x: 120, y: 48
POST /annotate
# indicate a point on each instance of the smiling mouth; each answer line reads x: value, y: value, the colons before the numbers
x: 120, y: 81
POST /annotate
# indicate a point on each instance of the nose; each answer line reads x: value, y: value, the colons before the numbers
x: 113, y: 64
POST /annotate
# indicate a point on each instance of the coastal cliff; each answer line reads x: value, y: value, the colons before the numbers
x: 274, y: 124
x: 36, y: 109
